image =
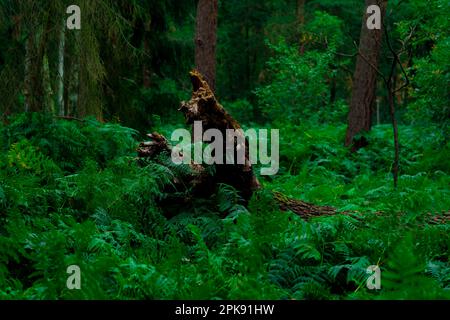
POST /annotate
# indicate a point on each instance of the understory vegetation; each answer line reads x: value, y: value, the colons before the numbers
x: 72, y: 193
x: 76, y: 102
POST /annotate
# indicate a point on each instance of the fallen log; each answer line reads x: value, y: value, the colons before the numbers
x: 302, y: 208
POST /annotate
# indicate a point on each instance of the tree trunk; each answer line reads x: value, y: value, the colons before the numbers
x: 205, y: 40
x: 34, y: 62
x: 61, y: 50
x: 395, y: 165
x: 33, y: 86
x: 72, y: 75
x: 364, y: 80
x: 28, y: 81
x: 47, y: 85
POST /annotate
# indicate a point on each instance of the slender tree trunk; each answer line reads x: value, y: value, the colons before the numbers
x: 205, y: 40
x: 34, y: 91
x: 72, y: 76
x: 378, y: 111
x: 33, y: 84
x: 47, y: 85
x: 391, y: 101
x: 74, y: 97
x: 34, y: 62
x: 28, y: 81
x: 146, y: 69
x: 61, y: 50
x: 364, y: 80
x: 391, y: 90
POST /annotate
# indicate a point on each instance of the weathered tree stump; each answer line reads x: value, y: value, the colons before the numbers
x: 204, y: 107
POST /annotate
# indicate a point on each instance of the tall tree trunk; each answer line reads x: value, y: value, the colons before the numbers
x: 72, y: 74
x: 47, y: 85
x: 364, y: 79
x: 205, y: 40
x: 28, y: 80
x: 34, y: 62
x: 395, y: 166
x: 61, y: 50
x: 34, y: 92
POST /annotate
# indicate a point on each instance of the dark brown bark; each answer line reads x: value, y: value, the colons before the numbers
x: 205, y: 40
x: 33, y: 84
x: 364, y: 79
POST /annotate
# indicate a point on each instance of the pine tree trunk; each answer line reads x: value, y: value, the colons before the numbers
x: 28, y: 81
x: 34, y: 62
x: 61, y: 49
x: 72, y: 76
x: 364, y: 80
x: 47, y: 85
x: 33, y: 87
x: 205, y: 40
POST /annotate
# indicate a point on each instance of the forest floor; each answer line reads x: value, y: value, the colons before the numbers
x: 71, y: 193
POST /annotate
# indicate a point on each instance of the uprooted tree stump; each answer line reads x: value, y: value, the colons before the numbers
x: 204, y: 107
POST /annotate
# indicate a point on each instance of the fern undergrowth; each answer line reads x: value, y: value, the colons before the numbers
x: 72, y: 193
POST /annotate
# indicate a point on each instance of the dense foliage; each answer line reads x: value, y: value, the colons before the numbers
x: 72, y: 192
